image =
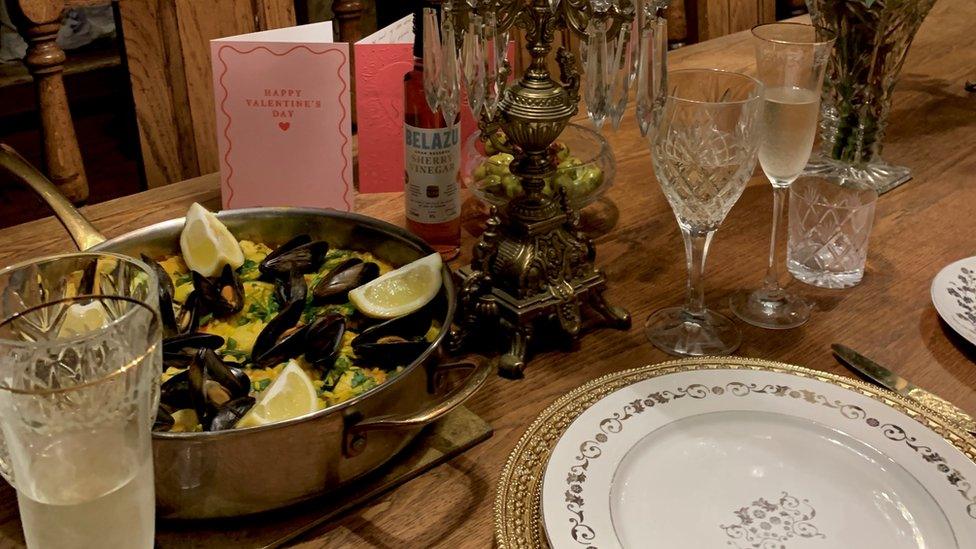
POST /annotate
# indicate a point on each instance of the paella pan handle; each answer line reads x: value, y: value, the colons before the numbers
x: 354, y: 440
x: 81, y: 230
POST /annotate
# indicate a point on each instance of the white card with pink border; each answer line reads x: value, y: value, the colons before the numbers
x: 284, y: 127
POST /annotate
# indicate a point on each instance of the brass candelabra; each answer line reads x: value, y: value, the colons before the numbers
x: 533, y: 268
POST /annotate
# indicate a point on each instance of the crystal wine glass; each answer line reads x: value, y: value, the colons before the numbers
x: 704, y: 149
x: 791, y: 58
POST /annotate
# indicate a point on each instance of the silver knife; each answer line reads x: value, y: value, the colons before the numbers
x: 878, y: 374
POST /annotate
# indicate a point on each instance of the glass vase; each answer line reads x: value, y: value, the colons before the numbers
x: 873, y: 37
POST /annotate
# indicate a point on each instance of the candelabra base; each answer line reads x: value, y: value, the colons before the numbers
x: 495, y: 315
x: 511, y: 324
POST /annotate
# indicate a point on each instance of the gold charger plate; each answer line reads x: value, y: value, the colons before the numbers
x: 518, y: 521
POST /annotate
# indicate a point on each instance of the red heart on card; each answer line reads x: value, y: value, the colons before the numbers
x: 284, y: 126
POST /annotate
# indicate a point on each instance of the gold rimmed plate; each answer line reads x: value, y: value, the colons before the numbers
x: 732, y: 452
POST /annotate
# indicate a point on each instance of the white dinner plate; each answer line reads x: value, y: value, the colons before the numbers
x: 753, y: 458
x: 954, y: 297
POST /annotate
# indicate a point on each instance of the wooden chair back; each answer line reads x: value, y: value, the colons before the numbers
x: 38, y: 21
x: 167, y: 50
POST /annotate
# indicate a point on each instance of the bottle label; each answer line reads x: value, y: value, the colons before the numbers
x: 433, y: 158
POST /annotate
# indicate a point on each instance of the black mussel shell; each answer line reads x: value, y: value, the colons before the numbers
x: 86, y: 286
x: 266, y: 346
x: 214, y: 383
x: 188, y: 319
x: 176, y: 392
x: 305, y: 257
x: 164, y: 419
x: 323, y: 340
x: 180, y: 360
x: 412, y: 326
x: 226, y: 374
x: 350, y: 274
x: 230, y: 413
x: 192, y: 341
x: 290, y: 345
x: 166, y: 292
x: 390, y: 351
x: 290, y: 288
x: 222, y: 295
x: 284, y: 248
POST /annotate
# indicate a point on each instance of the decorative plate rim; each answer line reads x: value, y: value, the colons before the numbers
x: 963, y: 330
x: 518, y: 522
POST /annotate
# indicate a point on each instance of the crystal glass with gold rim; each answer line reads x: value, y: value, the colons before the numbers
x: 80, y: 359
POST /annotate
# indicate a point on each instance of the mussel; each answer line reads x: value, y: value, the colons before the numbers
x: 290, y: 288
x: 192, y: 340
x: 166, y: 292
x: 390, y: 350
x: 212, y: 384
x: 411, y: 326
x: 335, y: 285
x: 175, y: 392
x: 275, y: 343
x: 188, y: 318
x: 230, y: 413
x: 323, y: 340
x: 395, y: 342
x: 222, y: 295
x: 300, y: 254
x: 86, y: 286
x: 164, y: 418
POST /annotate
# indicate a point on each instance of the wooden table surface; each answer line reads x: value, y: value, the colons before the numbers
x: 920, y: 227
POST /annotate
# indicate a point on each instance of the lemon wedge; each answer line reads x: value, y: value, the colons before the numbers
x: 80, y: 319
x: 290, y: 395
x: 206, y: 243
x: 401, y: 291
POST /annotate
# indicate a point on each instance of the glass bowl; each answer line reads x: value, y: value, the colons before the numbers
x: 586, y: 169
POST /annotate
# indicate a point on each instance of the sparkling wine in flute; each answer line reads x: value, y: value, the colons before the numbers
x: 789, y: 127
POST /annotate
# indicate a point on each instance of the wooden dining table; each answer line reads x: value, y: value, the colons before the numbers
x: 920, y: 227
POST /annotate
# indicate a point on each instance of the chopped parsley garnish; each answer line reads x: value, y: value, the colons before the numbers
x: 185, y: 278
x: 264, y: 310
x: 206, y: 319
x: 261, y: 385
x: 248, y: 265
x: 243, y: 321
x: 358, y: 379
x: 230, y: 344
x: 236, y: 353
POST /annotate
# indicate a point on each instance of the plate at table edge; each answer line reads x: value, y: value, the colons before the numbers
x: 948, y: 305
x: 518, y: 521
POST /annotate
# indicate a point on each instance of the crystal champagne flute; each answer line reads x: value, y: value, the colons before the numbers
x: 791, y: 58
x: 704, y: 150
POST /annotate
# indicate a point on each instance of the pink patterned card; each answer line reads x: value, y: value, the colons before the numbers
x: 382, y: 59
x: 283, y: 118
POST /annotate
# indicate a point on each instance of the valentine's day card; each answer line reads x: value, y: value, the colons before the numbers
x: 382, y: 59
x: 283, y: 118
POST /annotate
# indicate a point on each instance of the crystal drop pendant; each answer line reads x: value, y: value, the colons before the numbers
x: 500, y: 45
x: 652, y: 69
x: 595, y: 71
x: 432, y: 58
x: 618, y: 76
x: 491, y: 64
x: 473, y: 65
x: 449, y: 99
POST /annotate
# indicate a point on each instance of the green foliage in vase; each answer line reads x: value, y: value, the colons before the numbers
x: 872, y: 41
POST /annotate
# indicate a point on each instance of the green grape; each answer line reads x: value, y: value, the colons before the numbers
x: 480, y: 172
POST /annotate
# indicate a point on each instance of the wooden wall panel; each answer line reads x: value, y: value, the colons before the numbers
x: 199, y: 22
x: 153, y: 55
x: 167, y: 46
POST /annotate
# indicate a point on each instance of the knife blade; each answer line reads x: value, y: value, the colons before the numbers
x: 879, y: 375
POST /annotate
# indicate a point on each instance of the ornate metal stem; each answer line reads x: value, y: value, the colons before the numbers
x: 533, y: 268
